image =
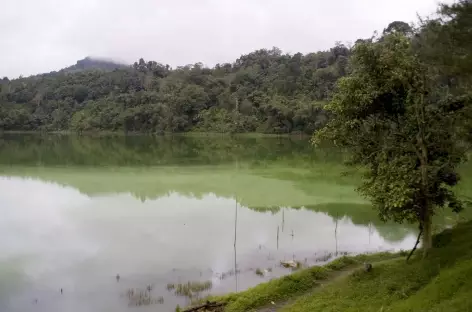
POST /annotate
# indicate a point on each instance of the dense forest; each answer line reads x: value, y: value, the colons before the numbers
x: 264, y: 91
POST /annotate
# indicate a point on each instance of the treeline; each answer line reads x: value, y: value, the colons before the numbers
x: 264, y: 91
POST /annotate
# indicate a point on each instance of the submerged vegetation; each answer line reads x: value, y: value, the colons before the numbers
x: 190, y: 289
x: 142, y: 297
x: 259, y: 272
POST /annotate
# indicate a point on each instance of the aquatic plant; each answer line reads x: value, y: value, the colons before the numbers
x: 191, y: 289
x: 259, y: 272
x: 140, y: 297
x: 323, y: 258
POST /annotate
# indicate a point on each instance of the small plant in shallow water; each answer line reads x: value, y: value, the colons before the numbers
x: 192, y: 289
x: 298, y: 265
x: 259, y: 272
x: 324, y: 258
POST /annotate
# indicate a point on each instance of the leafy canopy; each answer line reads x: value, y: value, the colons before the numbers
x: 394, y: 115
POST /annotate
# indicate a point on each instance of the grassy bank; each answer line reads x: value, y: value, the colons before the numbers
x: 278, y: 291
x: 441, y: 282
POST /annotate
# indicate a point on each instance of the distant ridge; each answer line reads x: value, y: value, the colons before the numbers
x: 95, y: 63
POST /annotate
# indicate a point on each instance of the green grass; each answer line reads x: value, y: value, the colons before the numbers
x: 275, y: 290
x: 442, y: 282
x: 295, y: 284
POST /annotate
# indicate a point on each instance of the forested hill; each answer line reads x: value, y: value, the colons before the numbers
x: 264, y: 91
x: 95, y: 63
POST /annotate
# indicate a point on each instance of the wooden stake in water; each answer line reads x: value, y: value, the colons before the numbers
x: 283, y: 219
x: 235, y: 235
x: 370, y: 231
x: 277, y: 237
x: 336, y: 233
x: 235, y: 221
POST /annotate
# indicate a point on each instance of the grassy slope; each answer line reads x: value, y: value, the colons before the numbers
x: 296, y: 284
x: 442, y: 282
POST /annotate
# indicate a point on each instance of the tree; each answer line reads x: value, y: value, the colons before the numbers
x: 450, y: 41
x: 445, y: 44
x: 80, y: 93
x: 398, y: 27
x: 394, y: 116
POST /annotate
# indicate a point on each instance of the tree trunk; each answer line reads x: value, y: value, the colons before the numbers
x: 427, y: 231
x: 425, y: 220
x: 422, y: 152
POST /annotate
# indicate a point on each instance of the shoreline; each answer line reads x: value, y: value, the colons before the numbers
x: 164, y: 134
x: 370, y: 282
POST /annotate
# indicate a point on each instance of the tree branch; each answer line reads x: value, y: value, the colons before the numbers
x: 416, y: 245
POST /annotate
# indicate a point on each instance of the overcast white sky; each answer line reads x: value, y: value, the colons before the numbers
x: 44, y: 35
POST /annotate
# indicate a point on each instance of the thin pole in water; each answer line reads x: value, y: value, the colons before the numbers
x: 370, y: 231
x: 277, y: 237
x: 283, y: 218
x: 235, y: 235
x: 235, y: 220
x: 336, y: 234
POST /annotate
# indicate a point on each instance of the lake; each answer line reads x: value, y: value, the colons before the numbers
x: 115, y: 221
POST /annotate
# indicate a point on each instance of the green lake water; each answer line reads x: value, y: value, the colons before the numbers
x: 77, y: 211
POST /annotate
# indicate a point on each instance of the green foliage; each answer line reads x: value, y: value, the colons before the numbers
x: 451, y: 43
x: 393, y: 113
x: 264, y: 91
x: 398, y: 27
x: 340, y: 263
